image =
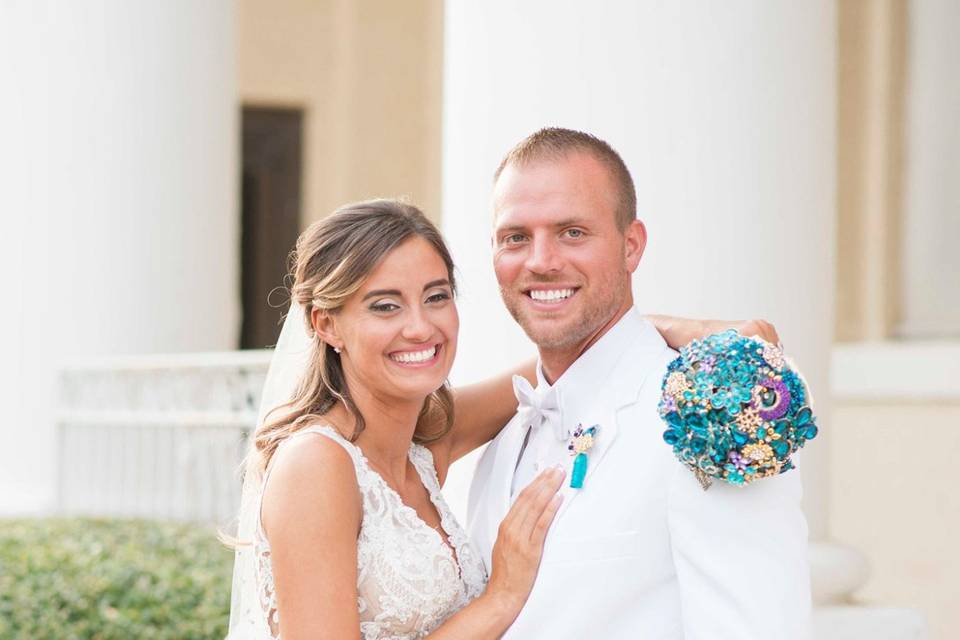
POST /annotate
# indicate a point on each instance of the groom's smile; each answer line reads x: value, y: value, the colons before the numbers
x: 550, y: 299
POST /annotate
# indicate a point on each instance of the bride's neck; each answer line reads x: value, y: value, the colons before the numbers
x: 389, y: 426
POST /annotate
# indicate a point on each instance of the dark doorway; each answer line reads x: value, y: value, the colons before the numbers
x: 270, y: 207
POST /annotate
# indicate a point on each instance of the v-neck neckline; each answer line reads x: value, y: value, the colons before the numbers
x: 445, y: 538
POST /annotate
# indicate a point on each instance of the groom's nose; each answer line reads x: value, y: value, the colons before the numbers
x: 543, y: 256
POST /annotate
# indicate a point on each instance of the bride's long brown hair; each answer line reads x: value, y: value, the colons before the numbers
x: 331, y: 260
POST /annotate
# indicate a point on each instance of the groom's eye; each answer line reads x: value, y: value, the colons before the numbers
x: 574, y: 233
x: 513, y: 238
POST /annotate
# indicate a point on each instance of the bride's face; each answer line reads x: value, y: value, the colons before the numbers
x: 399, y: 331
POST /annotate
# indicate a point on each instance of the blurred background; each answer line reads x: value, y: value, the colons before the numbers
x: 798, y: 162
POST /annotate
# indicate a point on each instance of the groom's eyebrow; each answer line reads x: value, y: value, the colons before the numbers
x: 442, y: 282
x: 510, y: 229
x: 566, y: 222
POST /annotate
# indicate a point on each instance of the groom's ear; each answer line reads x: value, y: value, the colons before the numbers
x: 634, y: 242
x: 325, y: 326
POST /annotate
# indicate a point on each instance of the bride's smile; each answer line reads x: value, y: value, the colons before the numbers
x: 423, y: 358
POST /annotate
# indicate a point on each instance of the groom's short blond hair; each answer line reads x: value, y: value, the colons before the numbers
x: 553, y: 143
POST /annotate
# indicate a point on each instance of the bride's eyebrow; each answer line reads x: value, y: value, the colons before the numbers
x: 443, y: 282
x: 382, y: 292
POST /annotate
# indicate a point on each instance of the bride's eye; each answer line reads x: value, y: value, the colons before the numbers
x: 384, y: 306
x: 440, y: 296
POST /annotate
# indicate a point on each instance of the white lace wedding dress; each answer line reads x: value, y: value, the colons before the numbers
x: 408, y: 580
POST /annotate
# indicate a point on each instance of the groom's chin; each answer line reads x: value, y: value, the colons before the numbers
x: 549, y: 333
x: 545, y: 331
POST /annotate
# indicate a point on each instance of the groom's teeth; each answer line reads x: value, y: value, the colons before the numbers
x: 550, y: 295
x: 415, y: 356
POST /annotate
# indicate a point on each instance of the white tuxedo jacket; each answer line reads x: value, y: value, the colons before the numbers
x: 642, y: 551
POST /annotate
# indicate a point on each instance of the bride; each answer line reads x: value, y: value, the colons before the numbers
x: 344, y: 532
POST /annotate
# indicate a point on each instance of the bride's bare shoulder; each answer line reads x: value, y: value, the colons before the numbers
x: 311, y: 473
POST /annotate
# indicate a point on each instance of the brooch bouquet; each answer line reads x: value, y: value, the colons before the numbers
x: 735, y: 409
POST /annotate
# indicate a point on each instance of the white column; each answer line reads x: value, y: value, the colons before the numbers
x: 725, y: 115
x: 121, y: 156
x: 931, y: 213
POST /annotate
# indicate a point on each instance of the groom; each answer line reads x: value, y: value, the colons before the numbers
x: 640, y: 551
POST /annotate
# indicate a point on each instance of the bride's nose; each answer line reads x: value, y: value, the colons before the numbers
x: 418, y: 327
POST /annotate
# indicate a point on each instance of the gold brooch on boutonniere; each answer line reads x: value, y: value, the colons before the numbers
x: 580, y: 444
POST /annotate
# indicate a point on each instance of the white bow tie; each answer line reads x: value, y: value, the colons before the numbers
x: 540, y: 407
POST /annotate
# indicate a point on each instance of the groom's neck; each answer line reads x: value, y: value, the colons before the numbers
x: 555, y: 361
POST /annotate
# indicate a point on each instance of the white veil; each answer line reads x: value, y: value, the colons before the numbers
x: 290, y: 358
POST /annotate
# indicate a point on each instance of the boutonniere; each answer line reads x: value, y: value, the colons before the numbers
x: 580, y: 444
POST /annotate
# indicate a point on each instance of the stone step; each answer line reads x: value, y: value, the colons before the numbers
x: 848, y: 622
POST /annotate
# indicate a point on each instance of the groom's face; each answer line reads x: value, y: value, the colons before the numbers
x: 562, y: 263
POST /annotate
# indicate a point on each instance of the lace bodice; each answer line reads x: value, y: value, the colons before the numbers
x: 408, y: 579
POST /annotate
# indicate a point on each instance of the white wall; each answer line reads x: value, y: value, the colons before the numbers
x: 119, y: 173
x: 724, y: 113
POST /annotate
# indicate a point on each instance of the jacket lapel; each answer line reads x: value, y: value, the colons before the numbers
x: 621, y: 389
x: 501, y: 475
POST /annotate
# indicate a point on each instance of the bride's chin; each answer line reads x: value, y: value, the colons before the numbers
x: 418, y: 392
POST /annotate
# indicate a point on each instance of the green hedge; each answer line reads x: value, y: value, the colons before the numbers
x: 112, y: 580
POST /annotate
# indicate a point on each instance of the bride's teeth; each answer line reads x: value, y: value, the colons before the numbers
x: 415, y: 356
x: 550, y: 295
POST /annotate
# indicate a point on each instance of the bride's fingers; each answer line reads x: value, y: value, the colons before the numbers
x: 518, y: 511
x: 542, y: 525
x: 525, y: 503
x: 547, y: 485
x: 768, y: 332
x: 759, y: 328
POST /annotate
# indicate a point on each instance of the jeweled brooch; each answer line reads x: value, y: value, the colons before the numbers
x: 735, y: 408
x: 579, y: 445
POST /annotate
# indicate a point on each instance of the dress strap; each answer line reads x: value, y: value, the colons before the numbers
x: 422, y: 459
x: 324, y: 430
x: 333, y: 434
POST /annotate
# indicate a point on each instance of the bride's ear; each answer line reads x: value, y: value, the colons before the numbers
x: 325, y: 327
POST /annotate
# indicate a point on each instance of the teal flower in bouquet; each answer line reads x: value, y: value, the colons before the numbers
x: 735, y: 409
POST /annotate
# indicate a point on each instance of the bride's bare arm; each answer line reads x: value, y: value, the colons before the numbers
x: 679, y: 331
x: 313, y: 555
x: 481, y: 410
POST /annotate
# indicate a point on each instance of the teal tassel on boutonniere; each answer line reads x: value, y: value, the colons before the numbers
x: 580, y: 444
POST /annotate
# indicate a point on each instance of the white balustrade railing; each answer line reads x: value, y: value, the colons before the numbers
x: 157, y: 436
